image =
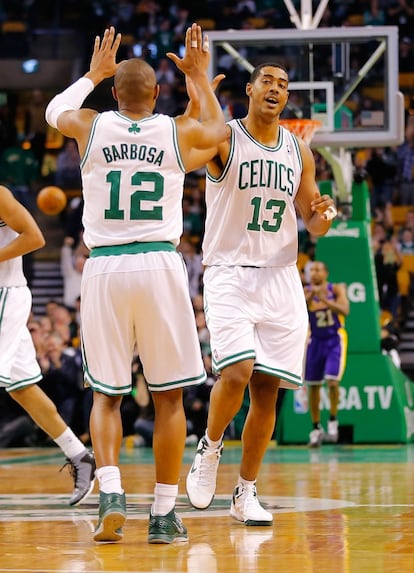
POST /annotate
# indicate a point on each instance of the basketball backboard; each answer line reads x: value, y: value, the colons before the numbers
x: 345, y: 77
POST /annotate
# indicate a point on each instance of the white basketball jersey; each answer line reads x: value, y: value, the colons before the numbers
x: 11, y: 271
x: 132, y: 177
x: 251, y: 217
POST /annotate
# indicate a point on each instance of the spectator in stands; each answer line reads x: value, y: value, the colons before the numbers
x: 406, y: 243
x: 408, y: 223
x: 62, y: 370
x: 144, y: 421
x: 193, y: 223
x: 401, y: 13
x: 387, y: 262
x: 45, y: 324
x: 67, y: 175
x: 405, y: 56
x: 382, y: 216
x: 72, y: 263
x: 8, y: 130
x: 203, y: 333
x: 193, y: 263
x: 373, y: 14
x: 381, y: 168
x: 181, y: 22
x: 164, y: 73
x: 390, y: 338
x: 39, y: 337
x: 163, y: 38
x: 19, y: 171
x: 63, y: 322
x: 35, y: 124
x: 166, y: 102
x: 73, y: 221
x: 405, y: 156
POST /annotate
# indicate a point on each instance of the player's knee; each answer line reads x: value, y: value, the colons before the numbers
x: 236, y: 376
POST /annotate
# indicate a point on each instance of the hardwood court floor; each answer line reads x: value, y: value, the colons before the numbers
x: 340, y: 509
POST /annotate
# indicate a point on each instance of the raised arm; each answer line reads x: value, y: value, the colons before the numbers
x: 64, y: 110
x: 211, y: 130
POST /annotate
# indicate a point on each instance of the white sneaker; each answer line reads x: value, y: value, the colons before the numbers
x: 315, y: 438
x: 201, y: 479
x: 332, y: 435
x: 245, y: 506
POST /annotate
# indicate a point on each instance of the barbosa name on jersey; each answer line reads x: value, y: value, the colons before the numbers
x: 133, y: 152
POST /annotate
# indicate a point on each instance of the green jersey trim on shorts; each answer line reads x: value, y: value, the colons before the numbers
x: 283, y: 374
x: 4, y: 291
x: 246, y: 355
x: 131, y: 248
x: 11, y: 387
x: 193, y: 381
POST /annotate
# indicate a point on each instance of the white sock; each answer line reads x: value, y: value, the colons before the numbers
x: 245, y: 482
x: 109, y: 478
x: 165, y: 496
x: 212, y: 443
x: 70, y: 444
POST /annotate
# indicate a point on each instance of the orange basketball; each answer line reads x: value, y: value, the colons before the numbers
x: 51, y: 200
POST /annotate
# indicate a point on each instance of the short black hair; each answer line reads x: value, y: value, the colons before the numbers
x: 255, y: 73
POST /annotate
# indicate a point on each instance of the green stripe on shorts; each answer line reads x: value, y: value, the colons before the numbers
x: 131, y: 248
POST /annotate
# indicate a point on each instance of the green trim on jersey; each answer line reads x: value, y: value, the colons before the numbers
x: 89, y: 142
x: 130, y: 120
x: 228, y: 162
x: 265, y: 147
x: 131, y: 248
x: 296, y: 142
x: 176, y: 146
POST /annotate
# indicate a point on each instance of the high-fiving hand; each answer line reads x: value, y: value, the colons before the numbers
x: 103, y: 61
x: 197, y: 55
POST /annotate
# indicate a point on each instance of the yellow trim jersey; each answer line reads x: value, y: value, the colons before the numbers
x: 124, y: 173
x: 251, y: 217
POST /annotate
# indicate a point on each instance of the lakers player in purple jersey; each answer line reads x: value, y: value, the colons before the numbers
x: 326, y: 351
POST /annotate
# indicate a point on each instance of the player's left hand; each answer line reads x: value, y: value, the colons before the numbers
x: 324, y: 206
x: 197, y: 54
x: 103, y: 64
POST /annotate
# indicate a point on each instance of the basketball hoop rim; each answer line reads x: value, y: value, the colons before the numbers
x: 304, y: 128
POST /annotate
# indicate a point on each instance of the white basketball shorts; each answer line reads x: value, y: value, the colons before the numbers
x: 18, y: 364
x: 260, y: 314
x: 139, y: 302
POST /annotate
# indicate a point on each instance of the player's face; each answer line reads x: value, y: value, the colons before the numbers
x: 318, y: 274
x: 269, y: 92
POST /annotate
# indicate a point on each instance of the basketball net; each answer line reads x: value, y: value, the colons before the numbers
x: 303, y: 128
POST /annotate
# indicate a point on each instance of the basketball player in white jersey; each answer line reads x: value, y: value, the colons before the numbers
x: 134, y: 287
x: 254, y: 303
x: 19, y: 369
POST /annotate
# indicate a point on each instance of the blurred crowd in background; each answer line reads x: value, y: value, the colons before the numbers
x: 32, y: 157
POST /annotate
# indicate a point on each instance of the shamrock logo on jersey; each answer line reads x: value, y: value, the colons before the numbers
x: 134, y: 128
